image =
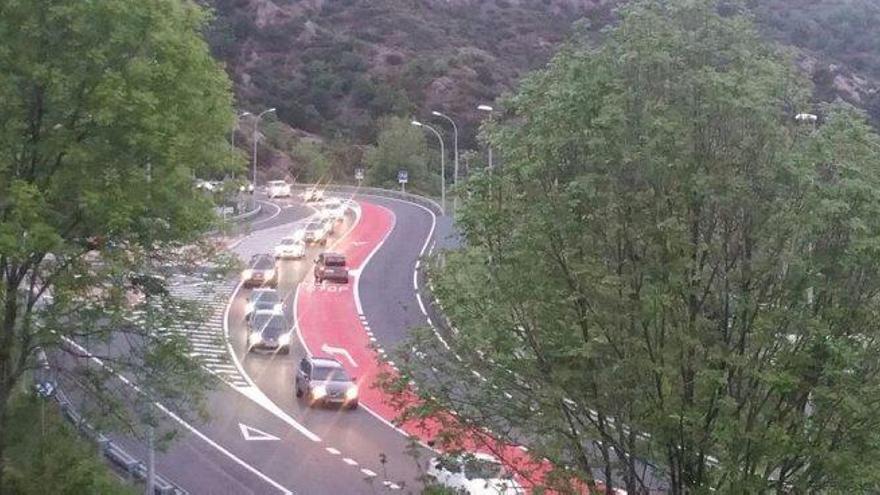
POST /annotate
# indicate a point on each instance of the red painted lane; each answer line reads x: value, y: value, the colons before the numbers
x: 327, y: 316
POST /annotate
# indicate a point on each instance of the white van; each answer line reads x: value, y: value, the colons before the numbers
x: 278, y: 188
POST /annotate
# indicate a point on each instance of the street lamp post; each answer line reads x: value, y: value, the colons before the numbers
x: 442, y: 164
x: 487, y: 108
x: 234, y: 127
x: 455, y: 155
x: 256, y: 125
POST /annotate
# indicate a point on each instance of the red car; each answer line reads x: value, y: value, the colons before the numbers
x: 331, y: 266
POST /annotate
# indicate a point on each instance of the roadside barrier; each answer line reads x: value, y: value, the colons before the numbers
x: 113, y: 452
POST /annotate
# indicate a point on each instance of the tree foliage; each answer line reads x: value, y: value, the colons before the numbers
x: 107, y: 109
x: 400, y: 146
x: 671, y: 284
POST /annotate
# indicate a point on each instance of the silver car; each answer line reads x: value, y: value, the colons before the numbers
x: 325, y: 381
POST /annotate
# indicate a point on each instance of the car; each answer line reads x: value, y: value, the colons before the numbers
x: 324, y: 381
x: 313, y: 194
x: 290, y: 247
x: 473, y: 473
x: 209, y: 186
x: 263, y: 300
x: 278, y: 189
x: 249, y: 188
x: 315, y: 232
x: 269, y: 331
x: 334, y: 212
x: 331, y: 266
x: 260, y: 271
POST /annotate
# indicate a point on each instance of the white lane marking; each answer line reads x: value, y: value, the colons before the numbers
x: 369, y: 473
x: 252, y: 434
x: 339, y: 350
x: 273, y: 205
x: 357, y: 281
x: 252, y: 391
x: 181, y: 422
x: 333, y: 451
x: 350, y: 461
x: 421, y: 304
x: 416, y: 280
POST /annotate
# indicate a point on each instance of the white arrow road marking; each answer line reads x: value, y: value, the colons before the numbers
x: 338, y: 350
x: 252, y: 434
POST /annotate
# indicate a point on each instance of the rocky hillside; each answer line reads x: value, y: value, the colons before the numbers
x: 332, y: 67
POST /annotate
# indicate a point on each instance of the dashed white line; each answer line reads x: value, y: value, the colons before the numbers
x: 349, y: 461
x: 333, y: 451
x: 369, y: 473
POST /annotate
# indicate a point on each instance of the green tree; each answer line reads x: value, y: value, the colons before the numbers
x: 315, y: 164
x: 107, y: 109
x: 400, y: 146
x: 666, y: 250
x: 49, y: 453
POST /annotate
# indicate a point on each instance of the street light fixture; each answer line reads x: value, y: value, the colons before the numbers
x: 487, y: 109
x: 256, y: 125
x: 455, y: 167
x: 442, y: 164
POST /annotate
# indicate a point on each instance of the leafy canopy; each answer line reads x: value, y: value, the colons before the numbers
x: 666, y: 250
x: 107, y: 110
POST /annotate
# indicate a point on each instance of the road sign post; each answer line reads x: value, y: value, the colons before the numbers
x: 402, y: 178
x: 359, y: 176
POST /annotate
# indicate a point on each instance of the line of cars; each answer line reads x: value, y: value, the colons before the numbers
x: 320, y: 380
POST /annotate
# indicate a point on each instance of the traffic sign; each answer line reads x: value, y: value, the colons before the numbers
x: 359, y: 174
x: 402, y: 176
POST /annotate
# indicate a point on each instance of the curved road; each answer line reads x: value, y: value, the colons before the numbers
x: 260, y: 438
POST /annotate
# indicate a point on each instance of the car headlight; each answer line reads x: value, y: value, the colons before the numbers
x: 270, y: 274
x: 254, y: 339
x: 352, y: 392
x: 284, y: 339
x: 247, y: 273
x: 249, y: 308
x: 279, y: 307
x: 319, y: 392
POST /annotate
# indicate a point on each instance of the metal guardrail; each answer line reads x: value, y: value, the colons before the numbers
x: 114, y: 452
x: 376, y: 191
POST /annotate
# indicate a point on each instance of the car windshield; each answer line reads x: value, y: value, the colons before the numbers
x: 263, y: 263
x: 288, y: 241
x: 482, y: 469
x: 313, y: 226
x: 267, y: 297
x: 270, y: 324
x: 334, y: 261
x: 330, y: 374
x: 276, y: 183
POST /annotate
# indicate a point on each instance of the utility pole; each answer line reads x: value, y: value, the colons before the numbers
x: 151, y: 462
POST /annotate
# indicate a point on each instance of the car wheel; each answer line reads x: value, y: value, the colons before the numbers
x: 353, y: 405
x: 299, y: 393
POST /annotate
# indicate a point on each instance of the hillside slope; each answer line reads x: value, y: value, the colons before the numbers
x: 332, y: 67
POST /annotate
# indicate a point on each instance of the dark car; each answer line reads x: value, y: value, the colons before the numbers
x: 268, y: 330
x: 325, y: 381
x: 260, y: 271
x: 331, y: 266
